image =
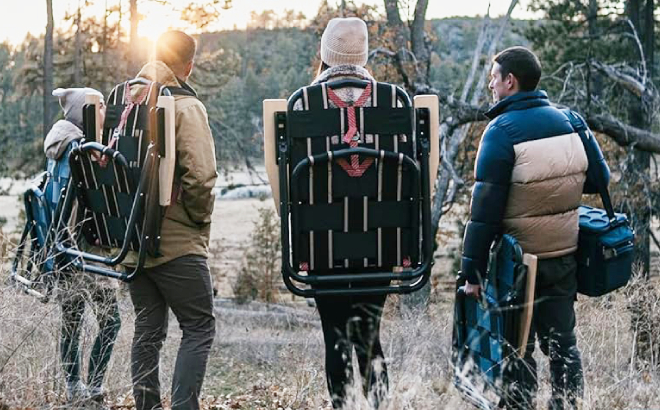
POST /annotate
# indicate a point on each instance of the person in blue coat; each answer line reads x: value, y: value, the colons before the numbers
x: 530, y: 173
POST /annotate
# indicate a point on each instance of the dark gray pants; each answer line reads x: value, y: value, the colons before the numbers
x: 106, y: 310
x: 553, y: 324
x: 183, y: 285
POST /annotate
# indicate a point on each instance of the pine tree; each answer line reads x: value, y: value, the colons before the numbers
x: 260, y: 273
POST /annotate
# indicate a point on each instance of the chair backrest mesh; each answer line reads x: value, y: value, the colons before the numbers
x: 107, y: 189
x: 342, y: 221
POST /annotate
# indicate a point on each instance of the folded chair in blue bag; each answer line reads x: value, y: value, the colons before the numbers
x: 352, y: 185
x: 493, y: 330
x: 34, y: 263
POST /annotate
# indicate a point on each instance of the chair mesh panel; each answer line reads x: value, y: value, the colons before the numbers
x: 341, y: 221
x: 107, y: 192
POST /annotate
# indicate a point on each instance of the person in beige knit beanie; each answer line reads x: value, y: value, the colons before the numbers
x: 350, y: 323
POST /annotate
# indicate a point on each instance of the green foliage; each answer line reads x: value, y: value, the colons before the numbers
x: 260, y: 274
x: 569, y: 38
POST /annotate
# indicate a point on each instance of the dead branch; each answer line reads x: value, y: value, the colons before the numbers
x: 652, y: 235
x: 481, y: 40
x: 491, y: 52
x: 381, y: 50
x: 640, y: 49
x: 636, y: 86
x: 624, y: 134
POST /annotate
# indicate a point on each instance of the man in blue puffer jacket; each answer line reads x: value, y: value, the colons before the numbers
x: 530, y: 175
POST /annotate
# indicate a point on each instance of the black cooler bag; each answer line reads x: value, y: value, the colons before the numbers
x: 606, y: 241
x: 605, y: 252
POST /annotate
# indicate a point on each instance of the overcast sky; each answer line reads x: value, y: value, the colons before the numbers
x: 18, y: 17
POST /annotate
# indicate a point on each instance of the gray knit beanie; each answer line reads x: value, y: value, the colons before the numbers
x: 72, y: 101
x: 345, y: 41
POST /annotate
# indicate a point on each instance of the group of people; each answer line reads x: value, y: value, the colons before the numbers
x: 530, y: 173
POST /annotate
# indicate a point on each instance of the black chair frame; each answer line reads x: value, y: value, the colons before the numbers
x: 148, y: 176
x: 413, y: 279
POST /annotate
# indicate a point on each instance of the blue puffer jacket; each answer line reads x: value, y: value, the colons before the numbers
x: 530, y: 174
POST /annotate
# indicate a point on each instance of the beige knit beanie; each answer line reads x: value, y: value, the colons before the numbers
x: 345, y: 41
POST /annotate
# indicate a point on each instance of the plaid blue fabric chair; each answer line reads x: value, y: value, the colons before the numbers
x: 486, y: 331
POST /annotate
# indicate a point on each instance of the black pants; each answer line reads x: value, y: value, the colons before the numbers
x: 104, y: 305
x: 184, y: 285
x: 553, y: 324
x: 353, y: 322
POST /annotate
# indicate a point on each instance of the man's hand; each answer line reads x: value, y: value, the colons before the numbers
x: 472, y: 290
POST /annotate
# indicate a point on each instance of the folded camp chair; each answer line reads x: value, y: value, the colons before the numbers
x: 353, y: 187
x: 490, y: 332
x: 121, y: 176
x: 33, y: 265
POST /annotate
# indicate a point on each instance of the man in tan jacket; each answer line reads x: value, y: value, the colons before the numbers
x: 179, y: 279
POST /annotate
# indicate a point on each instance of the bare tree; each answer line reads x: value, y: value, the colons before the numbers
x: 78, y: 52
x: 104, y: 43
x: 48, y: 67
x: 133, y: 42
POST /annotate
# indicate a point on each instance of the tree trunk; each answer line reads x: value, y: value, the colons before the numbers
x: 419, y: 44
x: 119, y: 22
x: 104, y: 45
x: 77, y: 54
x: 642, y: 160
x: 595, y: 83
x: 134, y: 43
x: 48, y: 68
x: 649, y: 37
x: 401, y: 40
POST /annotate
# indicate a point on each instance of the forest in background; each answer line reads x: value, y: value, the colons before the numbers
x: 235, y: 70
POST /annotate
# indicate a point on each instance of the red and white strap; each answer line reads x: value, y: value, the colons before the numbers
x: 130, y: 104
x: 355, y: 169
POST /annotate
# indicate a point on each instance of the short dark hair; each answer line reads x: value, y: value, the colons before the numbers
x: 175, y: 48
x: 523, y: 64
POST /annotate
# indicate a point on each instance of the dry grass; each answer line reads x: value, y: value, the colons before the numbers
x: 271, y: 356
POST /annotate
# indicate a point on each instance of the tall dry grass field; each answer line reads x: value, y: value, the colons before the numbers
x: 270, y: 356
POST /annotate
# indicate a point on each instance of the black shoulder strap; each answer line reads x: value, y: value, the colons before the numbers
x: 181, y: 91
x: 581, y: 128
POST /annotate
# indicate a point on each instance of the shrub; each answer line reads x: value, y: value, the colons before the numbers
x: 260, y: 271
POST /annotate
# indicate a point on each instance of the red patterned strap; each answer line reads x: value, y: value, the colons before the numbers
x: 130, y: 104
x: 355, y: 168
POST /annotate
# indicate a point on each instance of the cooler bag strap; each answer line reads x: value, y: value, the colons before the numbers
x: 580, y: 127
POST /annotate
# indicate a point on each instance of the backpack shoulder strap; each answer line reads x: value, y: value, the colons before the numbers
x: 181, y: 91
